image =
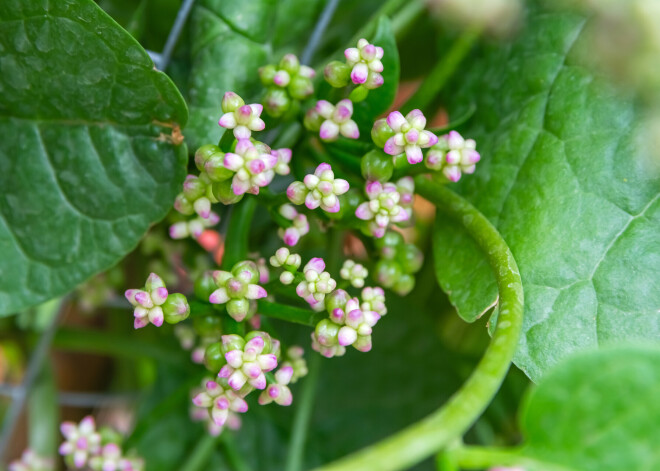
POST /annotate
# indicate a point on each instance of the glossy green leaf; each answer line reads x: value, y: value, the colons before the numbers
x: 231, y: 39
x: 564, y: 183
x: 86, y: 158
x: 597, y: 412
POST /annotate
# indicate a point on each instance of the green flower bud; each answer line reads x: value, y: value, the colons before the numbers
x: 358, y: 94
x: 301, y: 88
x: 238, y: 308
x: 232, y: 342
x: 183, y: 205
x: 290, y: 63
x: 266, y: 74
x: 230, y: 102
x: 336, y: 299
x: 223, y: 192
x: 268, y: 341
x: 381, y: 132
x: 204, y: 153
x: 337, y: 74
x: 326, y: 332
x: 410, y: 258
x: 276, y: 102
x: 387, y: 272
x: 404, y: 285
x: 208, y: 326
x: 204, y: 286
x: 389, y: 244
x: 246, y: 266
x: 313, y: 120
x: 377, y: 165
x: 175, y: 308
x: 216, y: 170
x: 214, y: 357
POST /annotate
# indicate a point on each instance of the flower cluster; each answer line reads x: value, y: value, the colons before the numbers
x: 382, y: 208
x: 398, y: 264
x: 332, y: 120
x: 348, y: 324
x: 219, y: 401
x: 296, y: 361
x: 355, y: 273
x: 196, y: 197
x: 290, y: 262
x: 373, y: 299
x: 453, y: 155
x: 242, y: 118
x: 279, y: 390
x: 155, y: 304
x: 84, y: 446
x: 287, y: 82
x: 318, y: 189
x: 317, y: 282
x: 30, y: 461
x: 363, y: 66
x: 299, y: 225
x: 404, y: 134
x: 238, y: 289
x: 248, y: 359
x: 253, y: 167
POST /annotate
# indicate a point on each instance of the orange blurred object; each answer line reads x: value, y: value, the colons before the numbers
x: 211, y: 241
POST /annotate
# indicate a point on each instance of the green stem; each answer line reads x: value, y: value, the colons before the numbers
x: 236, y: 242
x: 406, y: 17
x: 442, y: 72
x: 452, y: 420
x: 43, y: 413
x: 114, y: 344
x: 303, y: 415
x: 199, y: 457
x: 293, y: 314
x: 234, y: 458
x: 476, y: 457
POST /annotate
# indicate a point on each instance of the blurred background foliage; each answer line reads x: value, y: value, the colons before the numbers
x: 422, y: 351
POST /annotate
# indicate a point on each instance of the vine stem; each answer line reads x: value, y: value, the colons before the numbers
x: 293, y: 314
x: 236, y: 244
x: 303, y: 415
x: 477, y: 457
x: 442, y: 71
x: 452, y: 420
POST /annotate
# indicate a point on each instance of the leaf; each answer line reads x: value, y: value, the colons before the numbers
x: 380, y: 99
x: 564, y: 183
x: 231, y: 39
x: 597, y: 412
x: 86, y: 159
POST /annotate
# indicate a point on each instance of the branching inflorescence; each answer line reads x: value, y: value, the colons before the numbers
x: 346, y: 299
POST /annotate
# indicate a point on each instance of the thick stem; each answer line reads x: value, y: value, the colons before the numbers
x: 442, y: 72
x: 200, y: 455
x: 476, y: 457
x: 293, y: 314
x: 439, y: 429
x: 302, y: 418
x: 236, y: 243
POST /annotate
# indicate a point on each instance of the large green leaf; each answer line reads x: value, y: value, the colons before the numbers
x: 86, y: 158
x: 564, y: 183
x: 598, y: 412
x: 231, y: 39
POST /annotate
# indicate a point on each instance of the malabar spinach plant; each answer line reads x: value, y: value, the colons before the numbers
x: 280, y: 216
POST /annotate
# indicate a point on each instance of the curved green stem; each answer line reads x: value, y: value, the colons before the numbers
x: 293, y: 314
x: 477, y: 457
x: 199, y: 456
x: 302, y: 418
x: 236, y: 243
x: 442, y: 72
x: 439, y: 429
